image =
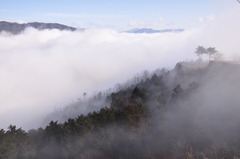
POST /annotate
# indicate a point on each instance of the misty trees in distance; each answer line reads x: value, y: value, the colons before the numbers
x: 210, y: 51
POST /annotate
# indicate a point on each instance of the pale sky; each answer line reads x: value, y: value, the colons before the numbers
x: 120, y: 15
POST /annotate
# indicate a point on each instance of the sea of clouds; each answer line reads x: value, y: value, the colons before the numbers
x: 45, y: 70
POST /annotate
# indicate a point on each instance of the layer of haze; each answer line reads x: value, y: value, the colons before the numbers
x: 44, y: 70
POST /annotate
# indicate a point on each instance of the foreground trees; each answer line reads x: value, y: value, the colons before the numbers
x: 100, y: 134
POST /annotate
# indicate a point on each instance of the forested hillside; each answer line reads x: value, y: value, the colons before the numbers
x: 189, y: 112
x: 16, y: 28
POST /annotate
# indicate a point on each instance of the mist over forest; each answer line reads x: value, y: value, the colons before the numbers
x: 44, y: 70
x: 101, y: 93
x: 191, y: 111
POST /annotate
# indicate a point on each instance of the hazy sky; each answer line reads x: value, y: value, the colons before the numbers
x: 119, y: 15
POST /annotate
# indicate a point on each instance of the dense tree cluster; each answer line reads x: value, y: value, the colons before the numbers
x: 97, y: 134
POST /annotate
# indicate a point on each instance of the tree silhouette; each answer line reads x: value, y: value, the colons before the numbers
x: 200, y: 51
x: 210, y: 51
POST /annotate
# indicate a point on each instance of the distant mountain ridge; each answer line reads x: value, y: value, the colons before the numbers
x: 151, y: 31
x: 16, y: 28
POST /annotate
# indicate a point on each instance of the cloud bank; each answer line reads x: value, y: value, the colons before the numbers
x: 44, y: 70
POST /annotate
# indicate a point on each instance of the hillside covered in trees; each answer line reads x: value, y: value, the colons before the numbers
x: 16, y: 28
x: 190, y: 112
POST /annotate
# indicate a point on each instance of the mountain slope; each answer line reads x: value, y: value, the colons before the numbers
x: 190, y: 112
x: 16, y: 28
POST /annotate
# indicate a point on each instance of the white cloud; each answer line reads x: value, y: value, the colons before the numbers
x: 207, y: 18
x: 136, y: 23
x: 40, y: 70
x: 200, y: 19
x: 21, y: 21
x: 211, y: 17
x: 160, y: 19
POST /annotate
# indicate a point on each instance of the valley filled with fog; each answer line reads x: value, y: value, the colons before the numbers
x: 114, y: 80
x: 42, y: 71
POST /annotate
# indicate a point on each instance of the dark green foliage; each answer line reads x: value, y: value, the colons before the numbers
x: 15, y: 144
x: 54, y: 132
x: 94, y: 135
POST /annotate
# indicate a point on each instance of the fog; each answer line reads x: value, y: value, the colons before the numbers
x: 45, y: 70
x: 209, y: 116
